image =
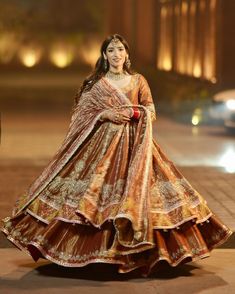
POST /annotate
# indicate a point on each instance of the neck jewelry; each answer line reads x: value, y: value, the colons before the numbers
x: 115, y: 75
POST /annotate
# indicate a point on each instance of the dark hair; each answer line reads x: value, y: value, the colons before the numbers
x: 100, y: 69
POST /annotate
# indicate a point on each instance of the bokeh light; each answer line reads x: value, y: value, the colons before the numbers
x: 227, y: 160
x: 197, y: 116
x: 90, y: 53
x: 231, y: 104
x: 62, y: 55
x: 30, y: 56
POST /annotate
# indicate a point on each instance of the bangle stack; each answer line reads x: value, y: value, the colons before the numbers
x: 136, y: 113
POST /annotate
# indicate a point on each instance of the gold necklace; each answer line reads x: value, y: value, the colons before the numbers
x: 115, y: 75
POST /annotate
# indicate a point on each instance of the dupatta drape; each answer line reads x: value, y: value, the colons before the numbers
x: 134, y: 209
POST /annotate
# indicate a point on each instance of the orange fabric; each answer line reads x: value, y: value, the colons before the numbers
x: 110, y: 194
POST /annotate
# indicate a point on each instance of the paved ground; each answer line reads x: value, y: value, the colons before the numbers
x: 213, y: 275
x: 27, y: 145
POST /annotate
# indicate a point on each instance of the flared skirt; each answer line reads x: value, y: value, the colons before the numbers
x: 72, y: 221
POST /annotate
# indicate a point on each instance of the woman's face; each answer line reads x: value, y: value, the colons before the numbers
x: 116, y: 54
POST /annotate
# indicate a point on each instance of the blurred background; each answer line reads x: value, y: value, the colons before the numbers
x: 185, y: 49
x: 183, y: 46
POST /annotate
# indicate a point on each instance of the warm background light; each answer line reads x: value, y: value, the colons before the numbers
x: 90, y: 52
x: 181, y: 48
x: 166, y: 65
x: 165, y: 53
x: 197, y: 70
x: 29, y: 56
x: 8, y: 47
x: 62, y: 55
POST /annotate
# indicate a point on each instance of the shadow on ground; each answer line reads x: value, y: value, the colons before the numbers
x: 186, y: 278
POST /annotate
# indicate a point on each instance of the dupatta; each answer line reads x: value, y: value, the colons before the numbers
x: 134, y: 209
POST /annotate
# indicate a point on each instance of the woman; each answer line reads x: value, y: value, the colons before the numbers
x: 110, y: 194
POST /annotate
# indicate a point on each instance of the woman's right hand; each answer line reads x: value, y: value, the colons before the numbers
x: 117, y: 116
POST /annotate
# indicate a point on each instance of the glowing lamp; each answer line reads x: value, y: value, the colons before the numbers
x: 29, y: 57
x: 61, y: 57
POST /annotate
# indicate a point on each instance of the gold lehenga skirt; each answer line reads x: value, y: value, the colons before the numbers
x: 71, y: 230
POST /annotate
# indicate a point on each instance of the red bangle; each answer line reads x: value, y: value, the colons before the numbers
x: 136, y: 113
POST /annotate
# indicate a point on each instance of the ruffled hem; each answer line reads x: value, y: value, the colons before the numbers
x: 77, y: 245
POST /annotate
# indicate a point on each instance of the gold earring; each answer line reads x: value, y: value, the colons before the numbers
x: 105, y: 64
x: 127, y: 62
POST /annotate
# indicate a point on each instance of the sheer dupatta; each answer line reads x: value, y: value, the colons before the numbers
x: 134, y: 209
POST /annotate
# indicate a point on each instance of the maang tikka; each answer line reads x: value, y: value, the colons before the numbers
x: 127, y: 60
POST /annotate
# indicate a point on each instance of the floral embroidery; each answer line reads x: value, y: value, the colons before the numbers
x: 69, y: 190
x: 169, y: 195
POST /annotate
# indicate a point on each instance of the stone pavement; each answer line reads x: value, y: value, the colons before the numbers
x: 19, y: 274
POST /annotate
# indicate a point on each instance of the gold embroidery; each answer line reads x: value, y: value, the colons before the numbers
x: 109, y: 171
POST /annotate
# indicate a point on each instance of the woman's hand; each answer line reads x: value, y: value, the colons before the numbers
x: 117, y: 116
